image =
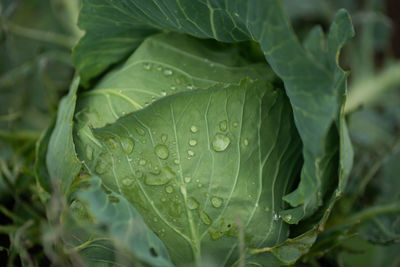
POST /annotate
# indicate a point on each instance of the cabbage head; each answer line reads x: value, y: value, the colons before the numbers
x: 195, y: 151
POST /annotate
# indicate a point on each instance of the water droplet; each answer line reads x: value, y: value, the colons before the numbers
x: 146, y: 66
x: 89, y: 152
x: 127, y: 181
x: 159, y: 68
x: 130, y: 159
x: 192, y: 203
x: 220, y: 142
x: 204, y: 217
x: 176, y: 161
x: 190, y: 87
x: 127, y: 145
x: 163, y: 93
x: 164, y: 138
x: 223, y: 125
x: 180, y: 79
x: 187, y: 179
x: 199, y: 185
x: 167, y: 72
x: 173, y: 88
x: 287, y: 217
x: 275, y: 217
x: 161, y: 151
x: 197, y: 181
x: 156, y: 180
x: 169, y: 189
x: 155, y: 219
x: 163, y: 199
x: 192, y: 142
x: 142, y: 162
x: 140, y: 131
x: 194, y: 129
x: 235, y: 124
x: 190, y: 153
x: 217, y: 202
x: 211, y: 65
x: 246, y: 142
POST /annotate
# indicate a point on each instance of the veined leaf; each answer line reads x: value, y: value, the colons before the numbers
x: 184, y: 161
x: 124, y: 226
x: 61, y: 159
x: 315, y: 86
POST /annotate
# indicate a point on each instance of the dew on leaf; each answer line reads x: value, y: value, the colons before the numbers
x: 180, y: 79
x: 127, y: 145
x: 187, y: 179
x: 275, y: 217
x: 146, y: 66
x: 127, y: 181
x: 220, y: 142
x: 161, y: 151
x: 156, y: 179
x: 142, y: 162
x: 164, y: 138
x: 287, y: 218
x: 190, y: 153
x: 167, y: 72
x: 217, y: 202
x: 176, y: 161
x: 246, y: 142
x: 173, y: 88
x: 169, y: 189
x: 192, y: 142
x: 205, y: 218
x: 194, y: 129
x: 192, y: 203
x: 223, y: 125
x: 235, y: 124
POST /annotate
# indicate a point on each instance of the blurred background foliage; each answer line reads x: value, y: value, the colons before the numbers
x: 36, y: 38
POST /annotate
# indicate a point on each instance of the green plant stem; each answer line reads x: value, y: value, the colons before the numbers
x: 44, y: 36
x: 370, y: 213
x: 366, y: 91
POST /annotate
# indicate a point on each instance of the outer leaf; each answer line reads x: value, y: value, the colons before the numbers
x: 314, y: 85
x: 153, y: 72
x: 62, y: 162
x: 112, y: 34
x: 184, y: 164
x: 124, y: 224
